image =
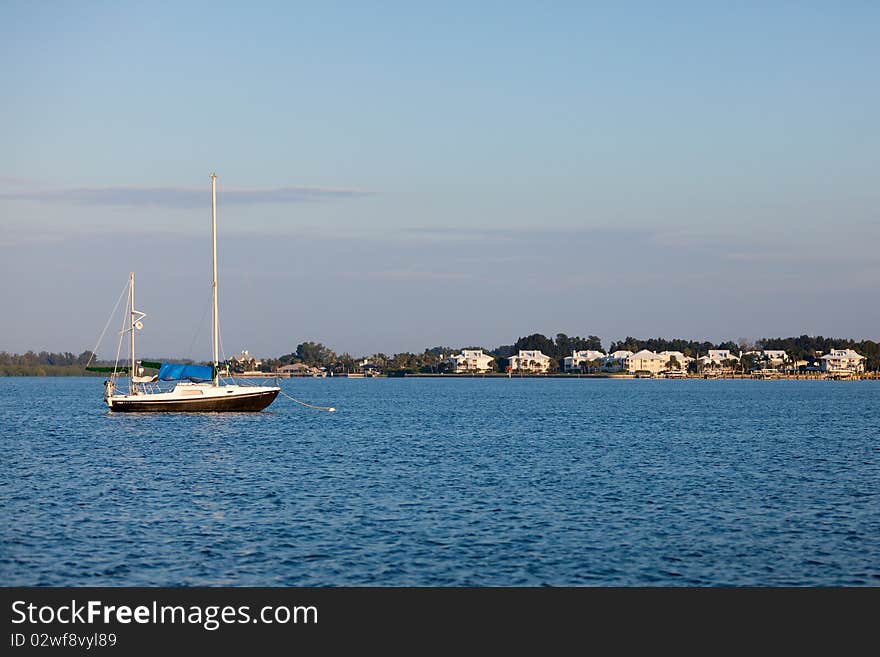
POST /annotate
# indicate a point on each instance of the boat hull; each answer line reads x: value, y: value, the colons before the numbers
x: 239, y: 403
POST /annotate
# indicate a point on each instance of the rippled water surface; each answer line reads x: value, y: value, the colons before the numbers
x: 448, y: 482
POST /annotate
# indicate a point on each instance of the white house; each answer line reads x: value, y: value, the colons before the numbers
x: 646, y: 361
x: 616, y: 361
x: 530, y: 360
x: 297, y: 369
x: 573, y: 363
x: 470, y: 360
x: 842, y: 360
x: 678, y: 356
x: 769, y: 358
x: 246, y: 359
x: 774, y: 357
x: 716, y: 357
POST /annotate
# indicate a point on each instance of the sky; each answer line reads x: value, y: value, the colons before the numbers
x: 395, y: 176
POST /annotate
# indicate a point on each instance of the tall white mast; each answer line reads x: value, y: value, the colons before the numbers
x: 215, y: 332
x: 132, y: 388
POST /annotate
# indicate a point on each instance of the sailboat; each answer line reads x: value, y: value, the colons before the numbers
x: 197, y: 388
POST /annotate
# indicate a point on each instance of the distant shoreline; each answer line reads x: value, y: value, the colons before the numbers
x: 868, y: 376
x: 811, y: 376
x: 499, y: 375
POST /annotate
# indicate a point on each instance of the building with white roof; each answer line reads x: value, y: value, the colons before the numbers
x: 774, y: 356
x: 717, y: 358
x: 470, y: 360
x: 768, y: 358
x: 245, y: 358
x: 842, y: 360
x: 297, y: 369
x: 579, y: 359
x: 646, y: 361
x: 530, y: 360
x: 683, y: 361
x: 616, y: 361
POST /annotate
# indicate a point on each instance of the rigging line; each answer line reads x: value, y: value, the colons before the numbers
x: 329, y: 409
x: 109, y: 319
x: 220, y: 343
x: 119, y: 345
x: 199, y: 327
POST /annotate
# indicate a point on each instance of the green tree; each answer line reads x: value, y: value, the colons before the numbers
x: 749, y: 362
x: 314, y: 354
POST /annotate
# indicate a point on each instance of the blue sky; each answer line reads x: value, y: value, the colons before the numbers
x: 399, y: 175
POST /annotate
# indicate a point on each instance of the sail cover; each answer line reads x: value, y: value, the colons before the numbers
x: 180, y: 372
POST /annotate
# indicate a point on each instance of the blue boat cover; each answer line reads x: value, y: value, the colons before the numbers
x: 180, y: 372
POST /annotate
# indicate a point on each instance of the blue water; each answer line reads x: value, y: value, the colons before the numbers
x: 448, y: 482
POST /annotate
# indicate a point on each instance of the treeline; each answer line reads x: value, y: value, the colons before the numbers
x: 316, y: 354
x: 44, y: 363
x: 557, y: 349
x: 804, y: 347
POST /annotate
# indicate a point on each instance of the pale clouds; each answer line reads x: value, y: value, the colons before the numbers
x: 177, y: 197
x: 12, y: 181
x: 407, y: 275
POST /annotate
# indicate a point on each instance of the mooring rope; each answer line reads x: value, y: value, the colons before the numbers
x: 329, y: 409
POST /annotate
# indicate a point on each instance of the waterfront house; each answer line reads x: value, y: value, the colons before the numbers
x: 768, y: 357
x: 616, y: 361
x: 683, y: 361
x: 842, y: 361
x: 244, y: 362
x: 718, y: 358
x: 297, y: 369
x: 371, y: 369
x: 646, y: 361
x: 581, y: 359
x: 469, y: 360
x: 773, y: 357
x: 530, y: 360
x: 245, y: 357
